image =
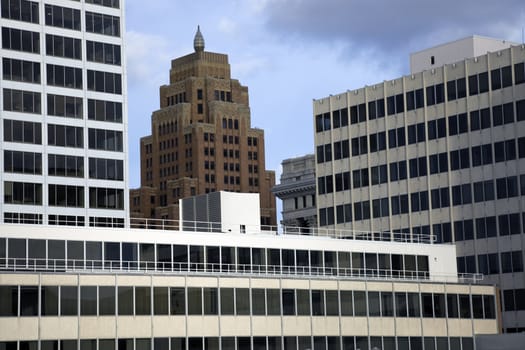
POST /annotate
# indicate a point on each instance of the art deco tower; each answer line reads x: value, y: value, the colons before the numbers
x: 201, y: 140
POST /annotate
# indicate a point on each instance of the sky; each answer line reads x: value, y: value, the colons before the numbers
x: 289, y: 52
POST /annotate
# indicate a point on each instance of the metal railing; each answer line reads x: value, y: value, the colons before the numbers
x: 217, y: 227
x: 143, y: 267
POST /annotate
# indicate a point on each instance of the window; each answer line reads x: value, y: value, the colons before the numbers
x: 419, y: 201
x: 64, y: 76
x: 512, y: 262
x: 414, y: 99
x: 482, y: 155
x: 418, y: 167
x: 22, y: 101
x: 395, y: 104
x: 438, y: 163
x: 22, y: 131
x: 65, y: 136
x: 399, y: 204
x: 519, y: 73
x: 106, y: 198
x: 440, y: 198
x: 102, y: 24
x: 19, y: 70
x: 362, y: 210
x: 360, y: 178
x: 108, y: 140
x: 486, y: 227
x: 107, y: 111
x: 322, y: 122
x: 342, y: 181
x: 505, y: 150
x: 461, y: 194
x: 507, y: 187
x: 22, y: 162
x: 104, y: 53
x: 501, y: 77
x: 478, y: 83
x: 357, y: 113
x: 104, y: 82
x: 460, y: 159
x: 396, y: 137
x: 359, y: 145
x: 380, y: 207
x: 416, y: 133
x: 457, y: 124
x: 483, y: 191
x: 398, y: 171
x: 509, y: 224
x: 66, y: 196
x: 456, y: 89
x: 64, y: 165
x: 20, y: 10
x: 20, y: 40
x: 107, y: 3
x: 435, y: 94
x: 106, y: 169
x: 341, y: 150
x: 379, y: 174
x: 378, y: 142
x: 64, y: 106
x: 480, y: 119
x: 437, y: 128
x: 340, y: 118
x: 503, y: 114
x: 62, y: 17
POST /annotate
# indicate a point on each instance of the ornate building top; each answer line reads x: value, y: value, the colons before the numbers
x: 198, y: 41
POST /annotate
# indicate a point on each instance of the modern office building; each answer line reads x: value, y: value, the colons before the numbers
x: 63, y: 113
x: 89, y: 288
x: 297, y: 192
x: 439, y: 151
x: 201, y: 140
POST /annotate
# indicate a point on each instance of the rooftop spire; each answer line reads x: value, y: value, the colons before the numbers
x: 198, y: 42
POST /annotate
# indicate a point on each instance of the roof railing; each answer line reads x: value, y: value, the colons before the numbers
x: 145, y: 267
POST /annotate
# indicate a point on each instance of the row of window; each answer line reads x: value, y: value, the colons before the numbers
x: 59, y: 195
x: 62, y: 76
x: 210, y: 258
x: 251, y: 343
x: 511, y: 262
x: 22, y: 301
x: 62, y: 165
x: 61, y: 106
x: 435, y: 94
x: 457, y: 124
x: 417, y: 167
x: 62, y: 135
x: 62, y: 220
x: 501, y: 188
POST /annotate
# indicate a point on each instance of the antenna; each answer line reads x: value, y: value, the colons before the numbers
x: 522, y: 35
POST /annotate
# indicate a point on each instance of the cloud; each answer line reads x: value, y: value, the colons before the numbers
x: 227, y: 26
x: 148, y: 58
x: 392, y: 25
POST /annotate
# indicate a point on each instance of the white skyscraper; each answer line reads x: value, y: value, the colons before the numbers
x: 63, y: 113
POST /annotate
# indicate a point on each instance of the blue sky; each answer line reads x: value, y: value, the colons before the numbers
x: 289, y: 52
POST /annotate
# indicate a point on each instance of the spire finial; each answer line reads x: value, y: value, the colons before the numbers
x: 198, y: 42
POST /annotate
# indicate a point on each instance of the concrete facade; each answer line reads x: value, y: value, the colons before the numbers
x: 64, y: 139
x: 202, y: 140
x: 441, y: 152
x: 297, y: 192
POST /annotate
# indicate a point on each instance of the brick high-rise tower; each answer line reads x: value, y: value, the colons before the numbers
x: 201, y: 140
